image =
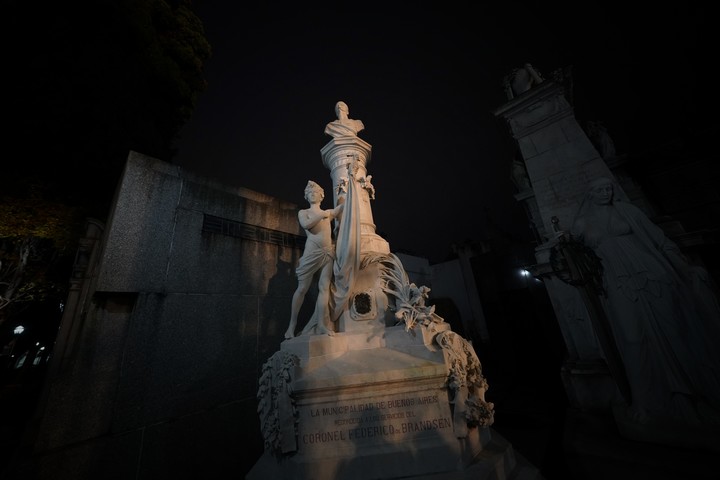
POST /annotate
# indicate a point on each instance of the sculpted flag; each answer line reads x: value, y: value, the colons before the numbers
x: 347, y: 250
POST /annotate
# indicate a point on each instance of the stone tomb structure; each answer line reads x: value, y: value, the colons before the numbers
x: 170, y: 317
x: 392, y: 392
x: 557, y: 161
x: 633, y: 349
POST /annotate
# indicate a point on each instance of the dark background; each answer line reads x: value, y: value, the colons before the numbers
x: 425, y: 83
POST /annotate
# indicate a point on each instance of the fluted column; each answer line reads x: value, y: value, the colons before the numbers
x: 337, y: 154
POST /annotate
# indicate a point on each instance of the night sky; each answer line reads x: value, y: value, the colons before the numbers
x: 425, y: 83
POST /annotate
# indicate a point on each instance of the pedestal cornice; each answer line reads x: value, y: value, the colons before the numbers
x: 535, y: 109
x: 330, y: 152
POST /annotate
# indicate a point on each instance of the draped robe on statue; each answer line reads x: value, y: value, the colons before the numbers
x: 347, y: 250
x: 664, y: 328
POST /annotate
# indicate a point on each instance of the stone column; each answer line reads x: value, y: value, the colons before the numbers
x: 367, y: 306
x: 560, y: 162
x: 464, y: 254
x: 336, y: 155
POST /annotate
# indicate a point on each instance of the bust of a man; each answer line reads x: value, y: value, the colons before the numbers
x: 343, y: 126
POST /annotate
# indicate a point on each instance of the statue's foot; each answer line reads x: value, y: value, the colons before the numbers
x: 325, y: 331
x: 289, y: 335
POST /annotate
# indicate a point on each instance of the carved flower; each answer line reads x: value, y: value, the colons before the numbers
x: 410, y: 299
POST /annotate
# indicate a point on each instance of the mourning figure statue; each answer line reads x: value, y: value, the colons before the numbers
x: 662, y: 309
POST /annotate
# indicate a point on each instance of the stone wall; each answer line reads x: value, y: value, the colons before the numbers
x: 156, y: 371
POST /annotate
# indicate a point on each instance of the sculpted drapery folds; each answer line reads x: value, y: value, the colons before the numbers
x: 663, y: 312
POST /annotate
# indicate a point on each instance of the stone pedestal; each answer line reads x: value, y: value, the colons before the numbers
x: 376, y: 406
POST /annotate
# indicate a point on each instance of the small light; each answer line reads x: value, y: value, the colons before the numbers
x: 19, y: 329
x: 524, y: 273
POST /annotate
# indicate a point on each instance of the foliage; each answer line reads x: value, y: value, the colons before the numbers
x: 276, y: 403
x: 410, y: 299
x: 37, y: 243
x: 91, y: 81
x: 39, y: 217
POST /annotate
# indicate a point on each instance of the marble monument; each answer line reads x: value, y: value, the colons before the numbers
x: 385, y: 389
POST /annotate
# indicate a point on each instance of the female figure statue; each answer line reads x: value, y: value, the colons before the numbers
x: 319, y: 255
x: 662, y: 310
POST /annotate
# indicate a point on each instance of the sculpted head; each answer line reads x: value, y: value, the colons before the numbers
x: 341, y: 107
x: 313, y: 189
x: 601, y: 191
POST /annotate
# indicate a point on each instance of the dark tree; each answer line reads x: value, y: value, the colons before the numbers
x: 87, y: 81
x: 91, y: 80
